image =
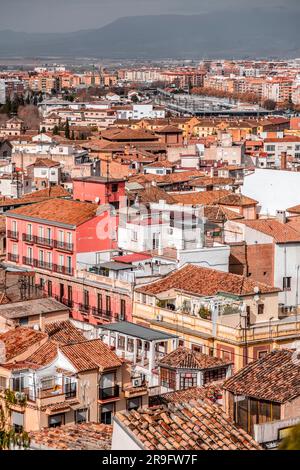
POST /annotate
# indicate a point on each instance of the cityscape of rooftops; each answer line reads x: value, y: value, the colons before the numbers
x: 149, y: 229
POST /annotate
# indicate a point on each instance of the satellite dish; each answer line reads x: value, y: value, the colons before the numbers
x: 256, y: 289
x: 256, y: 298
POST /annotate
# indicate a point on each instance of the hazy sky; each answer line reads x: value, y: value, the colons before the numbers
x: 71, y: 15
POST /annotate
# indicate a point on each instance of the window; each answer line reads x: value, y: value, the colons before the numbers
x: 56, y: 420
x: 29, y: 230
x: 81, y: 415
x: 168, y: 378
x: 49, y: 288
x: 261, y: 354
x: 134, y: 236
x: 188, y: 380
x: 123, y: 310
x: 61, y: 260
x: 17, y: 420
x: 134, y: 403
x: 41, y: 232
x: 197, y: 348
x: 14, y: 226
x: 260, y: 309
x: 3, y: 382
x: 286, y: 284
x: 23, y: 321
x: 48, y: 233
x: 108, y: 304
x: 69, y: 264
x: 106, y: 414
x: 70, y: 295
x: 214, y: 375
x: 86, y: 298
x: 114, y: 187
x: 99, y: 302
x: 121, y: 342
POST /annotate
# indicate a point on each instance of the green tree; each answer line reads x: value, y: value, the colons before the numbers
x: 67, y: 130
x: 55, y: 130
x: 292, y: 440
x: 8, y: 436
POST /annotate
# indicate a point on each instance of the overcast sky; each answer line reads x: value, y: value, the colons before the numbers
x: 72, y: 15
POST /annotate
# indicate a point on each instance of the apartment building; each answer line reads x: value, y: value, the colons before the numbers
x: 223, y: 314
x: 65, y: 381
x: 263, y: 397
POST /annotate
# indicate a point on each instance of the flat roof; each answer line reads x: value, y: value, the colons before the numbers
x: 115, y: 266
x: 31, y: 307
x: 99, y: 179
x: 138, y: 331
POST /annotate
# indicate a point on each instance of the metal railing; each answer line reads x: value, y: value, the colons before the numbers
x: 63, y: 270
x: 28, y: 237
x: 12, y: 257
x: 12, y: 234
x: 110, y: 392
x: 63, y: 246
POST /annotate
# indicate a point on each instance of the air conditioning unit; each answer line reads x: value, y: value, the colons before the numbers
x: 137, y: 382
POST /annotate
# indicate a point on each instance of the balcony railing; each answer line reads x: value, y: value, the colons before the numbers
x: 63, y: 270
x: 12, y: 234
x: 27, y: 261
x: 105, y: 314
x: 108, y: 393
x: 12, y: 257
x: 84, y: 308
x: 42, y: 264
x: 48, y: 242
x: 63, y: 246
x: 28, y: 237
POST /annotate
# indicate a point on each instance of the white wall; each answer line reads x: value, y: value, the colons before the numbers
x: 273, y: 189
x: 121, y: 440
x: 215, y: 257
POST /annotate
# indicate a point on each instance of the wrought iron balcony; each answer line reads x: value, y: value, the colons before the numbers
x: 13, y: 235
x: 63, y: 246
x: 28, y: 238
x: 12, y: 257
x: 108, y: 393
x: 48, y: 242
x: 63, y: 270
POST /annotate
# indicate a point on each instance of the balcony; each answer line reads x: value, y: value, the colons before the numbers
x: 13, y: 235
x: 49, y: 387
x: 27, y: 261
x: 12, y: 257
x: 109, y: 393
x: 63, y: 246
x: 84, y: 308
x: 100, y: 313
x: 37, y: 263
x: 68, y: 302
x: 28, y: 237
x: 48, y: 242
x: 63, y: 270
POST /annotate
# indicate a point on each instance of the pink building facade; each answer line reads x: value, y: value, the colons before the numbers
x: 51, y: 248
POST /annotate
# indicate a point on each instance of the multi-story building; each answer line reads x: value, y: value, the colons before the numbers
x: 64, y: 380
x: 223, y: 314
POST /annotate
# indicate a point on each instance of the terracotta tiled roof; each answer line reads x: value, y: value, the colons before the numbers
x: 210, y: 391
x: 204, y: 281
x: 19, y: 340
x: 93, y: 354
x: 184, y: 358
x: 275, y: 377
x: 216, y: 180
x: 198, y: 425
x: 63, y: 210
x: 44, y: 355
x: 64, y: 332
x: 36, y: 196
x: 84, y: 436
x: 217, y: 214
x: 161, y: 164
x: 237, y: 200
x: 151, y: 194
x: 44, y: 162
x: 201, y: 197
x: 282, y: 233
x: 294, y: 209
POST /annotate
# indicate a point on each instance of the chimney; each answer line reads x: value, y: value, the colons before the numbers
x: 281, y: 216
x: 283, y: 161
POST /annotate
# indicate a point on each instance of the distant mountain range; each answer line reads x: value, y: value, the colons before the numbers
x: 245, y: 33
